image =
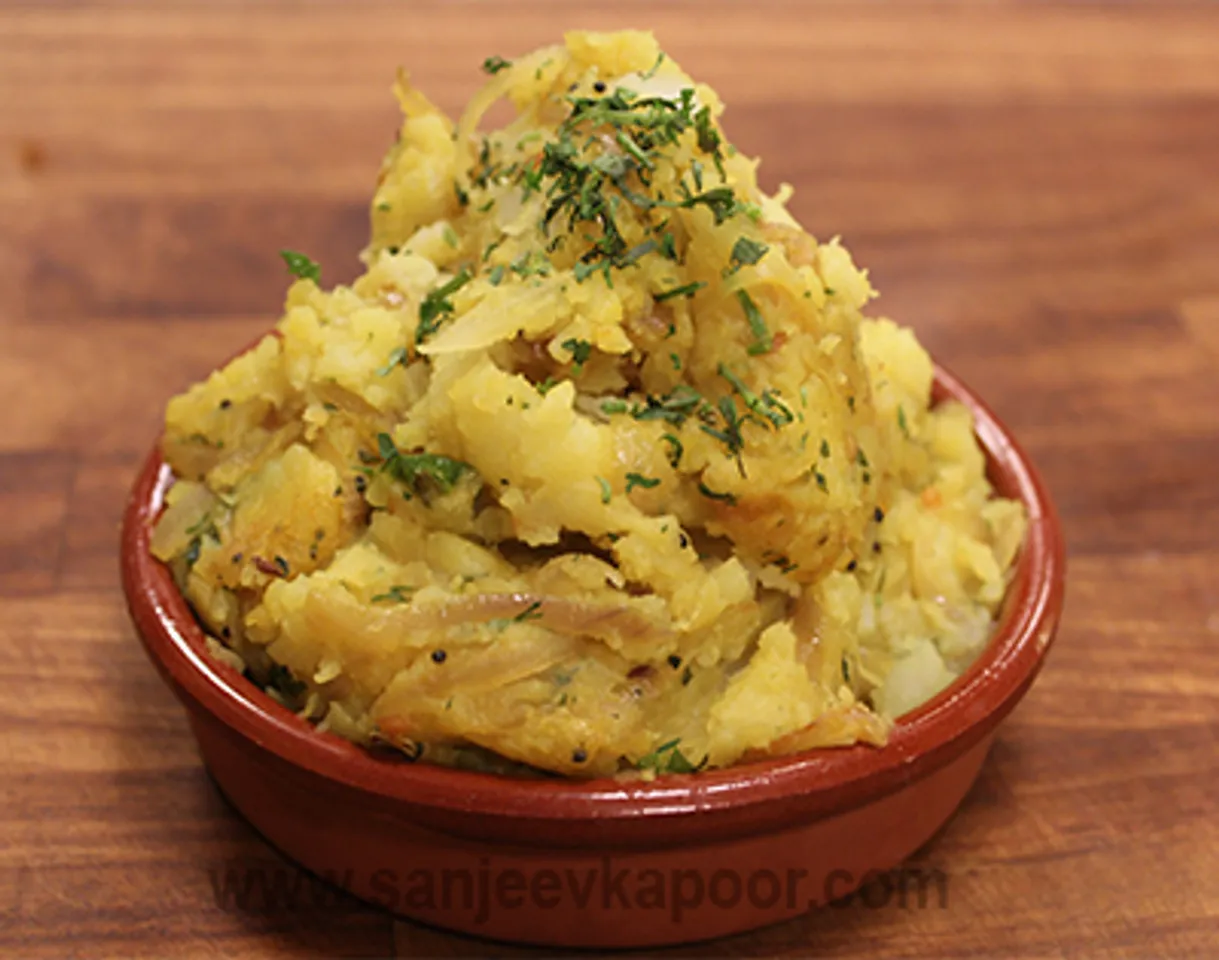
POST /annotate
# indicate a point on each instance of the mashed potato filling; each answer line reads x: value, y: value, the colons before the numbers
x: 597, y: 467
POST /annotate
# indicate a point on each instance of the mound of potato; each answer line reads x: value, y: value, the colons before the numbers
x: 597, y: 467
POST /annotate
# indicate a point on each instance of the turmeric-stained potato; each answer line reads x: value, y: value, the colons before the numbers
x: 598, y: 468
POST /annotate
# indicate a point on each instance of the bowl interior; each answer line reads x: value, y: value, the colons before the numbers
x: 921, y: 741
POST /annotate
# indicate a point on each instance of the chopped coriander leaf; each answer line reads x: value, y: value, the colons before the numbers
x: 668, y: 244
x: 494, y: 65
x: 721, y: 202
x: 486, y: 207
x: 709, y: 138
x: 409, y: 468
x: 547, y: 385
x: 628, y: 145
x: 398, y: 355
x: 385, y: 207
x: 686, y: 290
x: 825, y: 447
x: 706, y: 491
x: 531, y: 263
x: 583, y: 270
x: 820, y: 478
x: 730, y: 435
x: 301, y: 266
x: 861, y: 458
x: 496, y: 276
x: 668, y: 758
x: 673, y: 408
x: 606, y: 491
x: 901, y: 420
x: 634, y: 480
x: 491, y: 248
x: 753, y: 211
x: 611, y: 407
x: 767, y: 406
x: 656, y: 66
x: 395, y: 594
x: 531, y: 612
x: 675, y: 360
x: 780, y: 412
x: 450, y: 237
x: 761, y: 336
x: 531, y: 179
x: 580, y: 351
x: 437, y: 304
x: 675, y: 449
x: 746, y: 252
x: 633, y: 255
x: 588, y: 187
x: 462, y: 197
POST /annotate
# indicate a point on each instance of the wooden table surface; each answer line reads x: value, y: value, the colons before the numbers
x: 1036, y: 192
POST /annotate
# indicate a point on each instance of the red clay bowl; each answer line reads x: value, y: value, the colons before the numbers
x: 603, y: 863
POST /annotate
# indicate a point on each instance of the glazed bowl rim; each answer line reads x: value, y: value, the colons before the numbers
x: 922, y: 741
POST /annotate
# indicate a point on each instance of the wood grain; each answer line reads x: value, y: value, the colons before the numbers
x: 1034, y: 189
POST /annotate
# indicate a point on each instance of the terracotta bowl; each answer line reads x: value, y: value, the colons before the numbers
x: 603, y: 863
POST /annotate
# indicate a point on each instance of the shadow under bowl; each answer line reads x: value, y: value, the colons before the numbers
x: 604, y: 863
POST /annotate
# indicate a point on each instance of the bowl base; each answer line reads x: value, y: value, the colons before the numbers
x: 601, y: 897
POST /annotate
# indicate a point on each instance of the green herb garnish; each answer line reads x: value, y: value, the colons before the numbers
x: 746, y: 252
x: 686, y: 290
x: 436, y: 306
x: 675, y: 449
x: 398, y: 593
x: 494, y: 65
x: 767, y: 408
x: 301, y: 266
x: 634, y: 480
x: 580, y: 351
x: 668, y: 758
x: 409, y: 468
x: 706, y: 491
x: 673, y: 408
x: 398, y: 355
x: 532, y: 263
x: 730, y: 434
x: 761, y: 336
x: 531, y: 612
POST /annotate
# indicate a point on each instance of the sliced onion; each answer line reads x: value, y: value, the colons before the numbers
x: 840, y: 727
x: 611, y: 623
